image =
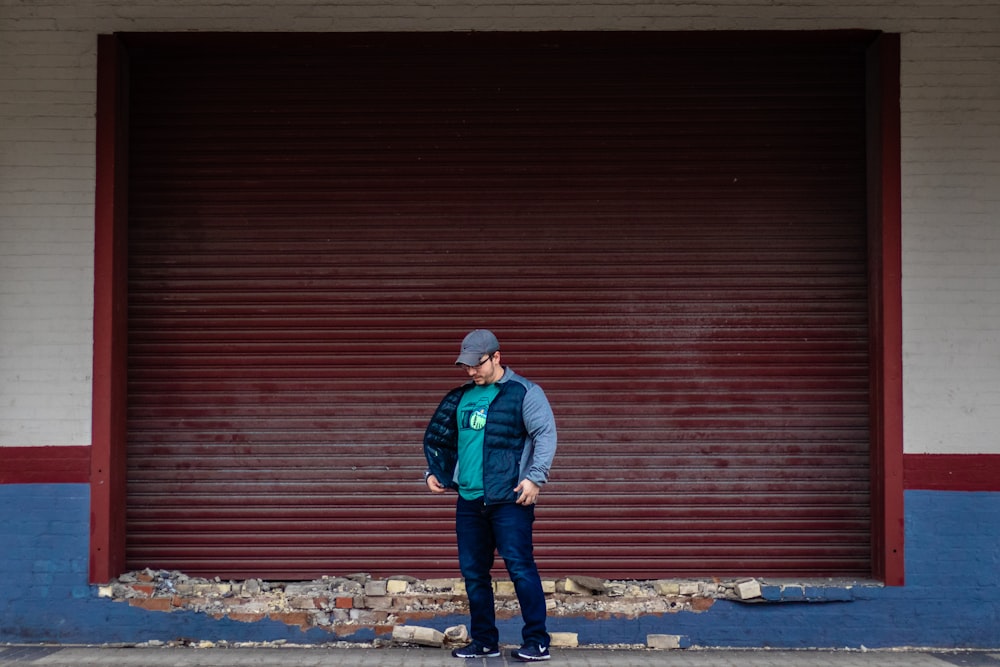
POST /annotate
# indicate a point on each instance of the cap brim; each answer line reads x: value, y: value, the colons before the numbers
x: 468, y: 359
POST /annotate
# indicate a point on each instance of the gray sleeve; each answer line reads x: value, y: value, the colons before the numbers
x: 541, y: 425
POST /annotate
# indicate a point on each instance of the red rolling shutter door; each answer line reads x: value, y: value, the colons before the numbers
x: 670, y: 240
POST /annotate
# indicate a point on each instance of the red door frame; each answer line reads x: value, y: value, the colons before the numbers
x: 108, y: 450
x: 885, y: 316
x: 108, y: 455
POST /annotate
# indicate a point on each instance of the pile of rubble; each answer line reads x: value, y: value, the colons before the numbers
x: 343, y: 604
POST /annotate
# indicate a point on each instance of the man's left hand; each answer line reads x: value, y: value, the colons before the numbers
x: 529, y: 492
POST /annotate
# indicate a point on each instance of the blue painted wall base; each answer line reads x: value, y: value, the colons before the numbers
x: 950, y: 599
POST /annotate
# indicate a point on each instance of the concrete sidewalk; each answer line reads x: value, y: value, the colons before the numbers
x: 55, y: 656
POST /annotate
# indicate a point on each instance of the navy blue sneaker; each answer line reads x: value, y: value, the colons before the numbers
x: 532, y: 653
x: 476, y: 650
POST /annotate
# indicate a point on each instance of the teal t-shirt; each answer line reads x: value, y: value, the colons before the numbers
x: 472, y: 414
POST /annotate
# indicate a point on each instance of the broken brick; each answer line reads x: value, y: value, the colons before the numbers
x: 245, y: 617
x: 152, y: 604
x: 300, y: 618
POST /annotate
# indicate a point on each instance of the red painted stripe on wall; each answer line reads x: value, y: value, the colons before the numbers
x: 952, y: 472
x: 45, y: 465
x: 934, y: 472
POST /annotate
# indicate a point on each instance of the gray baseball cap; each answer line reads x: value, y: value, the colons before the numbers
x: 476, y: 345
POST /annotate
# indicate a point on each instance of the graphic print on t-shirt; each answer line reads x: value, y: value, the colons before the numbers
x: 474, y: 416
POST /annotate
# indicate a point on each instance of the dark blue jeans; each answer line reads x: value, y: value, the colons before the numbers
x: 506, y: 529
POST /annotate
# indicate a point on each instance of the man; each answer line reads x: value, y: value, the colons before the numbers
x: 493, y: 439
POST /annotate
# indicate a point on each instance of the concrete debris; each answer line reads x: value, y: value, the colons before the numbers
x: 667, y: 587
x: 377, y: 587
x: 689, y: 588
x: 584, y: 585
x: 396, y: 586
x: 747, y: 589
x: 412, y: 634
x: 666, y: 641
x: 458, y: 634
x: 564, y: 639
x: 344, y: 604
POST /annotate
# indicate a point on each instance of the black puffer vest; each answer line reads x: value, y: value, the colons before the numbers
x: 503, y: 441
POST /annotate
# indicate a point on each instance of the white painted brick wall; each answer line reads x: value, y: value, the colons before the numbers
x: 951, y: 177
x: 951, y: 232
x: 46, y: 229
